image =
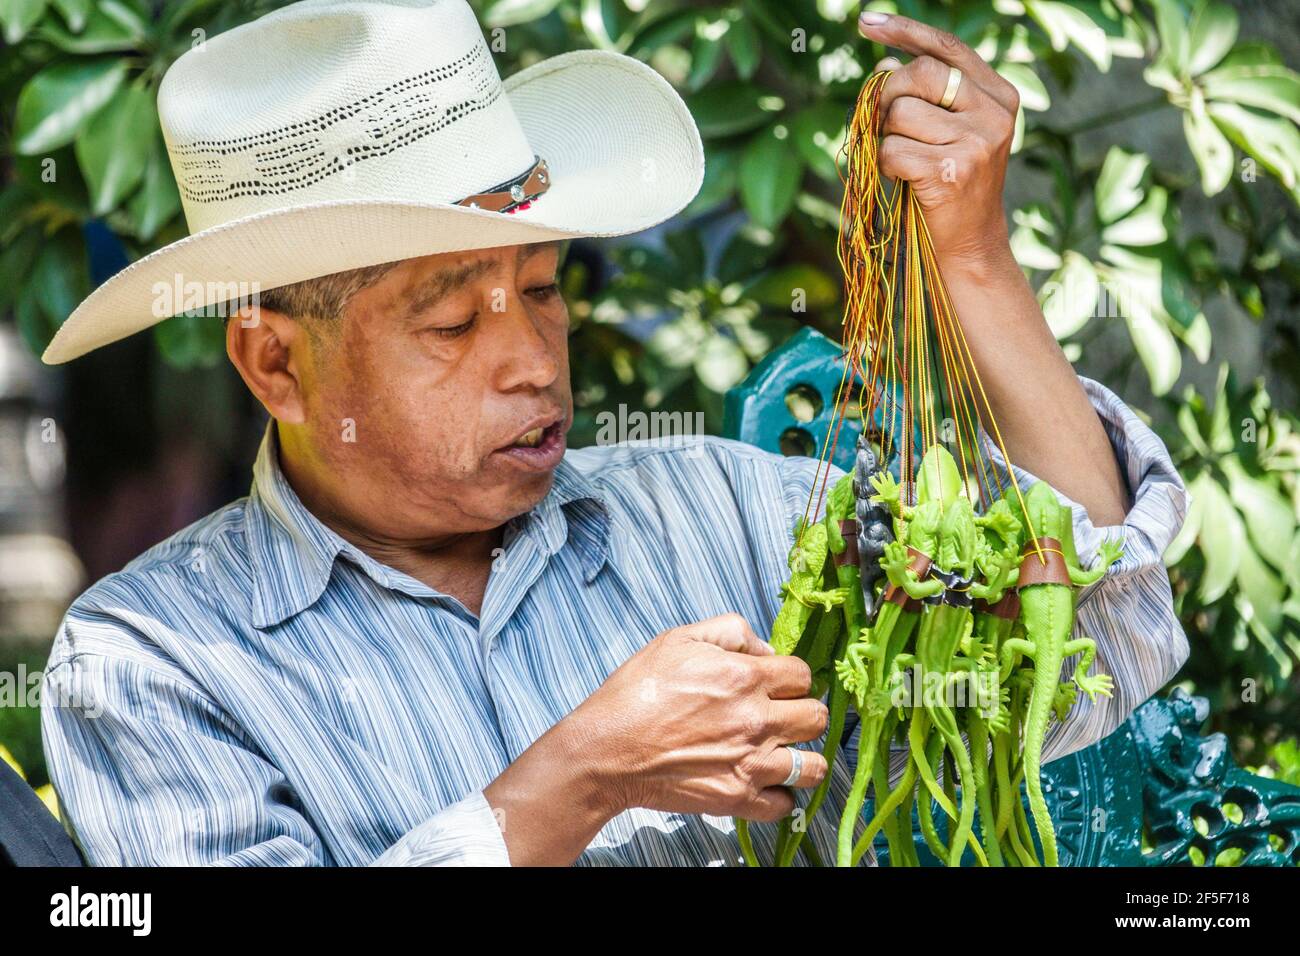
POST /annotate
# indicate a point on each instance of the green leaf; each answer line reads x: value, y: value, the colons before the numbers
x: 114, y: 147
x: 1269, y: 87
x: 1219, y: 433
x: 16, y: 264
x: 1145, y: 225
x: 818, y: 133
x: 706, y: 52
x: 1196, y: 336
x: 1069, y: 297
x: 1272, y: 140
x: 720, y: 363
x: 770, y: 175
x: 1033, y: 94
x: 1212, y: 33
x: 1136, y: 288
x: 687, y: 248
x: 744, y: 46
x: 1156, y: 348
x: 128, y: 16
x: 1065, y: 23
x: 59, y: 277
x: 1222, y: 539
x: 19, y: 16
x: 1261, y: 589
x: 777, y: 289
x: 1119, y: 184
x: 1188, y: 533
x: 57, y: 102
x: 35, y: 329
x: 508, y: 13
x: 662, y: 31
x: 191, y: 341
x: 1031, y: 251
x: 746, y: 255
x: 101, y: 34
x: 1172, y: 28
x: 157, y: 200
x: 1270, y: 518
x: 1251, y: 54
x: 721, y: 175
x: 603, y: 21
x: 74, y: 12
x: 1209, y: 146
x: 724, y: 109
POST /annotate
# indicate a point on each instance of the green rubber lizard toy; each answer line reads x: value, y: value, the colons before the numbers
x: 840, y: 506
x: 1046, y: 586
x: 869, y: 667
x: 803, y: 592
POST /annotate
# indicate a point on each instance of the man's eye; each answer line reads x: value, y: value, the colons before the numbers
x: 544, y: 291
x: 453, y: 331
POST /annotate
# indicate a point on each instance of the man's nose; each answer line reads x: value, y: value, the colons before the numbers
x: 525, y: 355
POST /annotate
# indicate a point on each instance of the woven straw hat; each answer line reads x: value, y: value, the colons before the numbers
x: 335, y: 134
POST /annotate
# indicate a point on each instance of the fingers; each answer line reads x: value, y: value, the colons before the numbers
x: 776, y: 767
x: 785, y: 677
x: 769, y: 806
x: 924, y: 122
x: 921, y: 39
x: 927, y: 79
x: 731, y: 632
x: 796, y: 721
x: 938, y: 51
x: 901, y: 157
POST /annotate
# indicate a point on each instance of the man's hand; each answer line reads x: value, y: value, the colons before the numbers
x: 695, y: 722
x: 955, y: 160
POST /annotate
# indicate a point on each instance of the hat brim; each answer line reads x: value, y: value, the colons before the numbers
x: 624, y: 155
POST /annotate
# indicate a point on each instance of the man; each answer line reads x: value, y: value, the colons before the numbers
x: 430, y: 635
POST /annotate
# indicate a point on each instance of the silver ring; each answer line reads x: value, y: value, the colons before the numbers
x: 796, y: 771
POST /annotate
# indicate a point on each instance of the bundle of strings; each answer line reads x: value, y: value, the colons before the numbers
x: 901, y: 337
x: 946, y: 604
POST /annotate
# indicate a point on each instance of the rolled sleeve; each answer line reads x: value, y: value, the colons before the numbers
x: 1130, y: 611
x: 466, y: 833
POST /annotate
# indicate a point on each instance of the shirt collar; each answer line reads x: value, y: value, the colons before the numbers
x: 293, y: 553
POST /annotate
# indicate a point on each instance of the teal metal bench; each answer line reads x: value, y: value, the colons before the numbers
x: 1154, y: 793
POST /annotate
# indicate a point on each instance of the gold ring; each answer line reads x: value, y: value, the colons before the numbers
x: 954, y: 84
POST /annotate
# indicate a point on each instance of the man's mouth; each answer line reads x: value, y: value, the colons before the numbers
x: 540, y: 448
x: 530, y: 439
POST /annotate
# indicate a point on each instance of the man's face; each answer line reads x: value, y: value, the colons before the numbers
x: 455, y: 370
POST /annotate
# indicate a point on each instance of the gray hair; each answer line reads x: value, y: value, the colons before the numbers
x: 323, y: 298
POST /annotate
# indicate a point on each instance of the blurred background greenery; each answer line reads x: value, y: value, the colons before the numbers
x: 1154, y: 196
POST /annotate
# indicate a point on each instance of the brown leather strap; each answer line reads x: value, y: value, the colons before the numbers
x: 849, y: 531
x: 920, y: 563
x: 1008, y: 608
x: 514, y: 194
x: 1033, y: 570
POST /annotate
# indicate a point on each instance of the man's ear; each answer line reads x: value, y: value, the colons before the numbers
x: 271, y: 352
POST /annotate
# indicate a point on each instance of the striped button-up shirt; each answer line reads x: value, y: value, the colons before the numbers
x: 256, y: 690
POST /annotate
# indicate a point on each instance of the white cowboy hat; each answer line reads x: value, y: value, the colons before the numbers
x: 336, y: 134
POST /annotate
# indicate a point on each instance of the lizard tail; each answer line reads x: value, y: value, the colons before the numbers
x: 1046, y: 678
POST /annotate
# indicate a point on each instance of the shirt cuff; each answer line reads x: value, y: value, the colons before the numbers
x: 1157, y: 498
x: 464, y: 834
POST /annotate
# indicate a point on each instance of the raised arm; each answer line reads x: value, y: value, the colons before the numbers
x: 956, y: 161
